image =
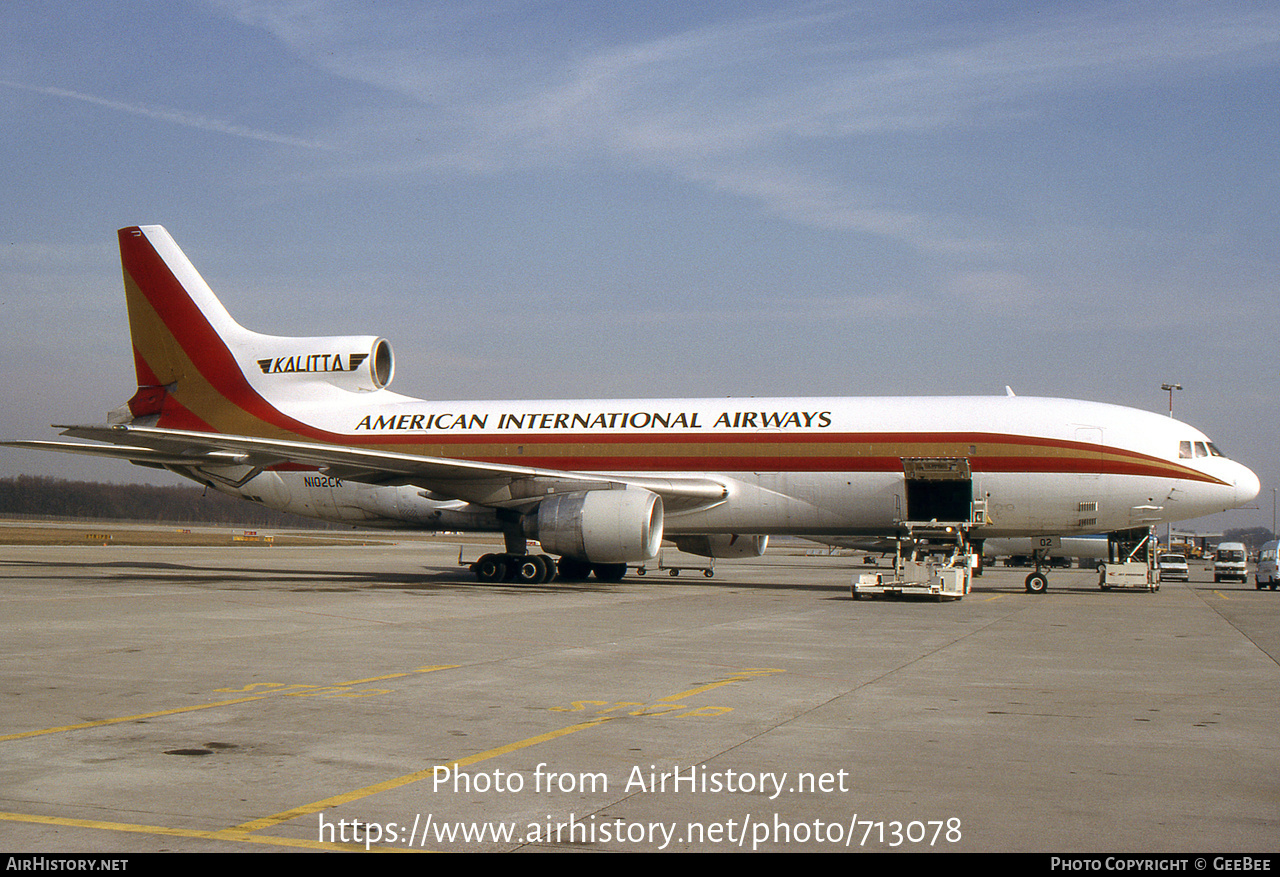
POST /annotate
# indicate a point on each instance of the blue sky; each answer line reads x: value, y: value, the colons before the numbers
x: 536, y: 199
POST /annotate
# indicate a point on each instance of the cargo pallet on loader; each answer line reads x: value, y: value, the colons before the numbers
x: 915, y: 571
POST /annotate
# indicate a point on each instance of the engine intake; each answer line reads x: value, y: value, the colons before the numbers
x: 602, y: 526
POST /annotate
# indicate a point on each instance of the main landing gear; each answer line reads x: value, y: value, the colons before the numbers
x: 517, y: 565
x: 538, y: 569
x: 527, y: 569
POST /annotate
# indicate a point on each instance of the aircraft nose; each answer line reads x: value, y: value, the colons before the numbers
x: 1247, y: 485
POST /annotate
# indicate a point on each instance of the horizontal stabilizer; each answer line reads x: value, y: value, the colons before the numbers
x: 149, y: 456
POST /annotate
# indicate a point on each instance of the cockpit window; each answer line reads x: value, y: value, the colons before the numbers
x: 1190, y: 450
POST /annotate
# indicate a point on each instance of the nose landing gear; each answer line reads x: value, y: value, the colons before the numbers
x: 1037, y: 582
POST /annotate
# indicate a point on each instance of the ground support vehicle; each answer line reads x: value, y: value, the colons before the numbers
x: 918, y: 571
x: 1130, y: 566
x: 1267, y: 575
x: 707, y: 569
x: 1229, y: 563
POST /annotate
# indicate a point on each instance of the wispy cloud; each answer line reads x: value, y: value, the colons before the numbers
x: 176, y: 117
x: 743, y: 104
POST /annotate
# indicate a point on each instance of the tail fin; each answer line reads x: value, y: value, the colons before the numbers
x: 199, y: 369
x: 176, y: 324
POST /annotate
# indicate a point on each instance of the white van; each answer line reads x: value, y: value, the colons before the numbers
x: 1229, y: 562
x: 1266, y: 574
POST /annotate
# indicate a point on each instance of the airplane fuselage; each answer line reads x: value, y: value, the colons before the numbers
x: 807, y: 466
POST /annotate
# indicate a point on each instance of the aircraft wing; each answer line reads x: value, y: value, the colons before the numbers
x: 491, y: 484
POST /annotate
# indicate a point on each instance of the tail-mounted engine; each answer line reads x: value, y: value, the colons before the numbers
x: 601, y: 526
x: 356, y: 363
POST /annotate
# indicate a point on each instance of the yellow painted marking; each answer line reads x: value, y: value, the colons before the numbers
x: 741, y: 676
x: 337, y: 691
x: 619, y: 704
x: 271, y: 688
x: 707, y: 711
x: 240, y: 834
x: 370, y: 679
x: 101, y: 722
x: 664, y: 711
x: 243, y: 833
x: 409, y: 779
x: 281, y: 687
x: 363, y: 692
x: 226, y: 834
x: 578, y: 706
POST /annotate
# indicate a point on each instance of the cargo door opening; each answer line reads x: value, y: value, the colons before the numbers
x: 938, y: 489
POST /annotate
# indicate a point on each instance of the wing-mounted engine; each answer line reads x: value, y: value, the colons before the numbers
x: 358, y: 363
x: 722, y: 545
x: 601, y: 526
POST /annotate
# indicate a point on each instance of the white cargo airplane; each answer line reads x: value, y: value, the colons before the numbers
x: 307, y: 425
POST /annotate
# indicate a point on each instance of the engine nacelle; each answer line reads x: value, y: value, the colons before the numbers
x: 722, y: 545
x: 354, y: 362
x: 602, y: 526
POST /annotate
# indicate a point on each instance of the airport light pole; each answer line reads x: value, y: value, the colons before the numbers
x: 1171, y: 388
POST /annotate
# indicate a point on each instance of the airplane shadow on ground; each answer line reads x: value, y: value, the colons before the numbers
x: 307, y: 579
x: 313, y: 580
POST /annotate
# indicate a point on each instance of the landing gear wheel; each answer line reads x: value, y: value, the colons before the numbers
x: 549, y: 564
x: 1037, y: 583
x: 491, y: 568
x: 533, y: 569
